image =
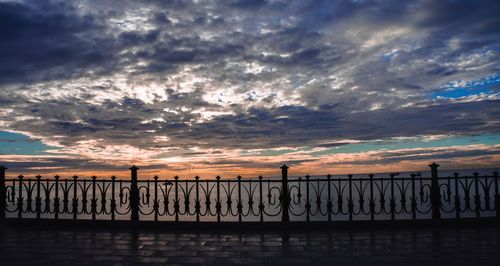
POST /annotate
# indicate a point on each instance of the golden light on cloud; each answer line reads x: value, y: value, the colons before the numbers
x: 230, y: 164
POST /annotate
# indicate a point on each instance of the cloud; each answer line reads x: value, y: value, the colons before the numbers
x: 177, y: 78
x: 49, y: 41
x: 300, y: 126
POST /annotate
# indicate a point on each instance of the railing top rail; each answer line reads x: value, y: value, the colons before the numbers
x: 246, y: 180
x: 68, y: 179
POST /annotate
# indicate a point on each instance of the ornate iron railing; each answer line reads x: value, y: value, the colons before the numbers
x: 284, y: 200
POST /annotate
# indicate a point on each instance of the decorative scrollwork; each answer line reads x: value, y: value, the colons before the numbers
x: 305, y: 198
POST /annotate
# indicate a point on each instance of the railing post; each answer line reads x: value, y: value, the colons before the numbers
x: 156, y: 205
x: 176, y: 199
x: 56, y: 198
x: 218, y: 205
x: 435, y: 192
x: 134, y: 194
x: 3, y: 195
x: 284, y: 194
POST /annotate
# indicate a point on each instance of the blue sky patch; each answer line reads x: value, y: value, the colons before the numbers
x: 412, y: 144
x: 20, y: 144
x: 488, y: 85
x: 388, y: 145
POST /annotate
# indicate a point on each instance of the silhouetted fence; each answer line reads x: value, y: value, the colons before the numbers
x: 252, y: 200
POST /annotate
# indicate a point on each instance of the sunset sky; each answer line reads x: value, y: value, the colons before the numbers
x: 186, y: 87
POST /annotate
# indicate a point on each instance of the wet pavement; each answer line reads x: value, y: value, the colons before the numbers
x: 36, y: 245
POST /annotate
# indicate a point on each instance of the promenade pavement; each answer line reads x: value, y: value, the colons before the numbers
x: 36, y: 245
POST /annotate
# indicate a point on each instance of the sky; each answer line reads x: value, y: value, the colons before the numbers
x: 239, y: 87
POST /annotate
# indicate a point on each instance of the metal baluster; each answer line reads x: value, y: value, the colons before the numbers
x: 56, y: 199
x: 392, y: 201
x: 250, y: 197
x: 329, y: 205
x: 38, y: 200
x: 166, y: 194
x: 285, y: 199
x: 20, y: 198
x: 75, y: 197
x: 65, y: 197
x: 134, y: 199
x: 413, y: 199
x: 403, y: 196
x: 448, y: 189
x: 318, y: 198
x: 308, y: 204
x: 197, y: 205
x: 148, y: 194
x: 477, y: 198
x: 84, y: 198
x: 187, y: 198
x: 486, y: 194
x: 467, y: 194
x: 382, y: 196
x: 3, y: 196
x: 156, y: 203
x: 176, y: 201
x: 103, y: 197
x: 47, y: 197
x: 93, y: 206
x: 239, y: 205
x: 340, y: 200
x: 299, y: 194
x: 497, y: 196
x: 261, y: 204
x: 208, y: 202
x: 457, y: 197
x: 113, y: 200
x: 350, y: 203
x: 361, y: 200
x: 218, y: 205
x: 421, y: 191
x: 29, y: 199
x: 372, y: 199
x: 229, y: 200
x: 435, y: 192
x: 120, y: 195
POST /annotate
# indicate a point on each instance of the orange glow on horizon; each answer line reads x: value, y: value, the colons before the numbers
x: 229, y: 171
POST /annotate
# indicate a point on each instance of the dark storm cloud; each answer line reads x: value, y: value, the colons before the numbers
x: 290, y: 125
x: 45, y: 165
x: 247, y: 3
x: 165, y: 56
x: 46, y: 41
x: 127, y: 123
x: 430, y: 155
x: 54, y: 41
x: 395, y: 157
x: 120, y: 122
